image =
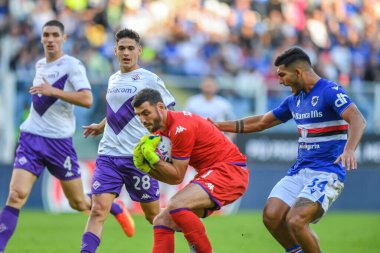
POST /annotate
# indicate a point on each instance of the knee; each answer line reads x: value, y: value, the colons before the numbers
x: 295, y: 222
x: 164, y: 219
x: 99, y: 211
x: 271, y: 219
x: 159, y: 220
x: 17, y: 197
x: 79, y: 204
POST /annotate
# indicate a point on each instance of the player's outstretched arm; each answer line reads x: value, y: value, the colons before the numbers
x: 81, y: 98
x: 357, y: 125
x: 248, y: 125
x: 94, y: 129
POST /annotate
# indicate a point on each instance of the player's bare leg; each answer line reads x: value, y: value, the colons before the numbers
x: 73, y: 190
x: 274, y: 218
x: 151, y: 210
x: 19, y: 189
x: 298, y: 219
x: 101, y: 206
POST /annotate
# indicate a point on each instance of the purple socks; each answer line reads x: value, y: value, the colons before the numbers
x: 90, y: 243
x: 8, y: 222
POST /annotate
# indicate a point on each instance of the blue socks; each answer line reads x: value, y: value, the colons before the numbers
x: 295, y: 249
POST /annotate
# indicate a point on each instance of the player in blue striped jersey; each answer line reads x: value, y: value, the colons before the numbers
x: 330, y: 127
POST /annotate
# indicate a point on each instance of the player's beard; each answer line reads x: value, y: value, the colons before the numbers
x: 296, y: 88
x: 156, y: 122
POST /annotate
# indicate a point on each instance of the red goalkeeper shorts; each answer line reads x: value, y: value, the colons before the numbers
x: 224, y: 182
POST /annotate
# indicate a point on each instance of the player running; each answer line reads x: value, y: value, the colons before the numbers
x: 122, y: 131
x: 46, y: 135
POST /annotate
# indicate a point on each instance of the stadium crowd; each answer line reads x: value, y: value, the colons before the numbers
x: 238, y: 38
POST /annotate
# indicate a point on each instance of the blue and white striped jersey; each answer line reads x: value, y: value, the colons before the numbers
x: 322, y: 131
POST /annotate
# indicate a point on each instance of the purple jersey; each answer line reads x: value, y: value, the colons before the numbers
x: 322, y: 131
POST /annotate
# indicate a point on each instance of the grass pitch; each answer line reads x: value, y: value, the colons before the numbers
x: 242, y: 233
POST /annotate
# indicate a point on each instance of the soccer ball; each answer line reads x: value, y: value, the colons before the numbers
x: 164, y: 149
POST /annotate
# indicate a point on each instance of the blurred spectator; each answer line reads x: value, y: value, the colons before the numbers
x: 203, y: 37
x: 208, y: 104
x: 10, y: 43
x: 41, y: 13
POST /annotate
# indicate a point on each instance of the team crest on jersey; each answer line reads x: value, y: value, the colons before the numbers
x: 96, y: 185
x: 22, y: 160
x: 136, y: 77
x: 314, y: 100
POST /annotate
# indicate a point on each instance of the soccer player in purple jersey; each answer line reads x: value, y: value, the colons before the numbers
x: 122, y: 130
x: 46, y: 135
x: 330, y: 127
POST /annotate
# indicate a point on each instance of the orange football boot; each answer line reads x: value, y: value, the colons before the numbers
x: 125, y: 219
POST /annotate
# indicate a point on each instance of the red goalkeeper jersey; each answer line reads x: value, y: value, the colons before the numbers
x: 197, y: 139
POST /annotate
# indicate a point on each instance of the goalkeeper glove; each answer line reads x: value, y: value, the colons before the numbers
x: 138, y: 157
x: 148, y: 149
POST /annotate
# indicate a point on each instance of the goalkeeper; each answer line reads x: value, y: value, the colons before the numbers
x: 222, y: 173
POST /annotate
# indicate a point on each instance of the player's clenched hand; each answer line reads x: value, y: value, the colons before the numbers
x: 138, y: 157
x: 148, y: 149
x: 348, y: 160
x: 44, y: 89
x: 93, y: 130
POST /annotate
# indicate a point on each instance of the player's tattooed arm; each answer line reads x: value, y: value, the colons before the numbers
x: 250, y: 124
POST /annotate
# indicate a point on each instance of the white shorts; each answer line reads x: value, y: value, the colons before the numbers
x: 318, y: 186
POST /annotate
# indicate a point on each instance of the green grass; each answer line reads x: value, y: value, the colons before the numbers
x: 243, y: 233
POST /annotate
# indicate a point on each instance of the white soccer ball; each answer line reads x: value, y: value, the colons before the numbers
x: 164, y: 149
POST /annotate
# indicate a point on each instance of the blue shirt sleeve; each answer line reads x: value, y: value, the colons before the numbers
x: 283, y: 112
x: 337, y: 99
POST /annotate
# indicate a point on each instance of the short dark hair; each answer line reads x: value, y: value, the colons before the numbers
x: 56, y: 23
x: 291, y: 55
x: 127, y: 33
x: 147, y: 95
